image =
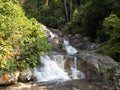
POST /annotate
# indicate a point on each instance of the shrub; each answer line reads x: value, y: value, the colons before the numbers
x: 112, y: 30
x: 21, y: 39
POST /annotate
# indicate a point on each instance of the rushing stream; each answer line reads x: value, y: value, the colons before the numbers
x: 71, y: 52
x: 50, y: 71
x: 53, y: 68
x: 69, y: 49
x: 60, y: 66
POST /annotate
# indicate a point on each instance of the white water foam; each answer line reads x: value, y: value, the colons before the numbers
x: 60, y: 60
x: 53, y: 69
x: 47, y: 31
x: 74, y: 70
x: 72, y: 51
x: 50, y: 71
x: 69, y: 49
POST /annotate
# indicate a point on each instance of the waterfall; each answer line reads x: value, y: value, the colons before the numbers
x: 72, y: 51
x: 53, y: 68
x: 60, y: 60
x: 69, y: 49
x: 73, y: 70
x: 50, y: 71
x: 52, y: 35
x: 47, y: 31
x: 74, y: 64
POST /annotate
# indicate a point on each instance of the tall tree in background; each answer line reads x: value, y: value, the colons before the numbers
x: 47, y: 2
x: 70, y: 10
x: 65, y: 4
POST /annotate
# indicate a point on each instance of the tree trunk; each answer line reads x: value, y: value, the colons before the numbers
x: 47, y: 2
x: 70, y: 10
x: 66, y: 11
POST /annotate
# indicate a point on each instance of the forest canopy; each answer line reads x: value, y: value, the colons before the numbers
x: 96, y: 19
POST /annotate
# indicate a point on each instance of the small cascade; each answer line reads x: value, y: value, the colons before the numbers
x: 50, y: 71
x: 53, y: 65
x: 74, y: 64
x: 52, y: 35
x: 47, y: 31
x: 60, y: 60
x: 74, y: 73
x: 69, y: 49
x: 72, y: 51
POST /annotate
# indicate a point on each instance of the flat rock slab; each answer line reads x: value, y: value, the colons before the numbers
x: 68, y: 85
x: 82, y: 85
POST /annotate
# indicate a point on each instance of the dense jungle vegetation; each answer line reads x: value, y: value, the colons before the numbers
x: 97, y: 19
x: 21, y: 39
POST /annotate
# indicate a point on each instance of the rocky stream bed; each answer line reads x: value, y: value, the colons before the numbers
x: 101, y: 72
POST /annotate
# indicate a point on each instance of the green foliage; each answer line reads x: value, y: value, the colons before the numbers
x: 90, y: 17
x: 87, y: 17
x: 50, y: 15
x: 21, y: 39
x: 14, y: 1
x: 112, y: 30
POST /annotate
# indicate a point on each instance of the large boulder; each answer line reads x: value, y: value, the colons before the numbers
x: 82, y: 43
x: 101, y: 63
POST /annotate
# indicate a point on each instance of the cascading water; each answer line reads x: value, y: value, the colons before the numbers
x: 73, y: 70
x: 47, y: 31
x: 53, y: 68
x: 50, y: 71
x: 74, y: 65
x: 72, y: 51
x: 59, y: 60
x: 69, y: 49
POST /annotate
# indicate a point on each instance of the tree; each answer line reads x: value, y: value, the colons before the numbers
x: 66, y: 10
x: 112, y: 30
x: 91, y: 16
x: 47, y: 2
x: 21, y: 39
x: 70, y: 10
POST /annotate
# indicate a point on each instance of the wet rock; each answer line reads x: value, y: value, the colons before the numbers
x: 69, y: 35
x: 73, y: 76
x: 55, y: 43
x: 98, y: 61
x: 26, y: 75
x: 85, y: 45
x: 53, y: 39
x: 117, y: 77
x: 84, y: 85
x: 100, y: 67
x: 8, y: 79
x: 108, y: 88
x: 56, y: 31
x: 82, y: 43
x: 34, y: 88
x: 59, y: 88
x: 17, y: 86
x: 45, y: 29
x: 68, y: 85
